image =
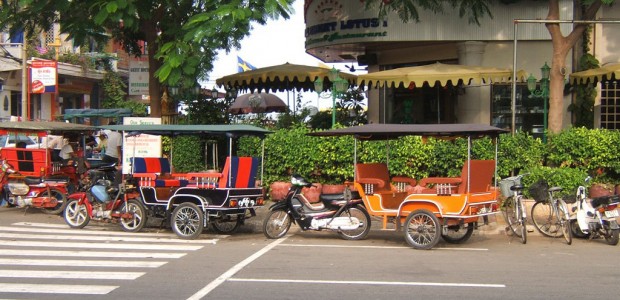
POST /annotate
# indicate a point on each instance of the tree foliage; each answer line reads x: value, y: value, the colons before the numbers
x: 182, y: 36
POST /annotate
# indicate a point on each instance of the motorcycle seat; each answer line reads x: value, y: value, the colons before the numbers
x: 338, y: 199
x: 604, y: 200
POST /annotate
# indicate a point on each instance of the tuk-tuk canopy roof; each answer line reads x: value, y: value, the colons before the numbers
x: 42, y: 126
x: 92, y: 112
x: 173, y: 130
x: 391, y: 131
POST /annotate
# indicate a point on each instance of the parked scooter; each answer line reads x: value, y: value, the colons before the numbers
x: 595, y: 218
x: 342, y: 213
x: 48, y: 194
x: 105, y: 201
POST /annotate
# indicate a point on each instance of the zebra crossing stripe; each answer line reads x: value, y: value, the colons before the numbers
x: 63, y: 253
x: 128, y: 246
x: 71, y: 274
x: 81, y: 263
x: 58, y: 228
x: 101, y: 238
x: 56, y: 288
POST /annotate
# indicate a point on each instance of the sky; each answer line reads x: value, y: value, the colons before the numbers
x: 278, y: 42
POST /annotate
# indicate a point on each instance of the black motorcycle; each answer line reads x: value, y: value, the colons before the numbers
x: 343, y: 213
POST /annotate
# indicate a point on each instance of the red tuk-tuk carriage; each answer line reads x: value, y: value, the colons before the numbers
x: 447, y: 207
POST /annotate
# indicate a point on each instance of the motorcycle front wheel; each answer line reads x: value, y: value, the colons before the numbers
x: 361, y: 232
x: 139, y: 216
x: 187, y: 221
x: 76, y: 215
x: 276, y: 224
x: 60, y: 197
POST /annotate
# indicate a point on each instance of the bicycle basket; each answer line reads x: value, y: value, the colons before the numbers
x: 539, y: 191
x: 506, y: 183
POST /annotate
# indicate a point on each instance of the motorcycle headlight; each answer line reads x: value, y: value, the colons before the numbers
x: 18, y: 188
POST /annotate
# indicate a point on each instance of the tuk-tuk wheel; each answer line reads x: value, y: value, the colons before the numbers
x: 422, y: 230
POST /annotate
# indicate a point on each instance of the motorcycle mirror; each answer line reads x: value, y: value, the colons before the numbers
x: 588, y: 179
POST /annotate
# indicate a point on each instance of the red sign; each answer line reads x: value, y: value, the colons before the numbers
x: 43, y: 76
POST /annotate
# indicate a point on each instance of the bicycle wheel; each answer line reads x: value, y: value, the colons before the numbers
x: 563, y: 217
x: 545, y: 220
x: 511, y: 215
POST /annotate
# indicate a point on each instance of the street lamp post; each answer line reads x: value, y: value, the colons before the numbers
x: 543, y: 93
x: 339, y: 85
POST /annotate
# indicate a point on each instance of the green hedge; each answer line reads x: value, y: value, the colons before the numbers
x: 564, y: 161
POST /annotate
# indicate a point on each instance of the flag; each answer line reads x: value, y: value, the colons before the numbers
x: 244, y: 65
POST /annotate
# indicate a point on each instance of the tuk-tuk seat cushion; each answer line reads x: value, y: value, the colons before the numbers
x: 155, y: 171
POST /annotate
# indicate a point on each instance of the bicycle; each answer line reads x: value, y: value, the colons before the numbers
x: 550, y: 215
x: 514, y: 209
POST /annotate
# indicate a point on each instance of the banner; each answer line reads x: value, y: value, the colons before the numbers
x: 43, y: 76
x: 142, y: 145
x: 138, y: 76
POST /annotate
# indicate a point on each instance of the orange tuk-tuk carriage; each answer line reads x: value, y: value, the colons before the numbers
x: 428, y: 208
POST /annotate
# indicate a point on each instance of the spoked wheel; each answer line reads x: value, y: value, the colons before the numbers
x: 276, y: 224
x: 513, y: 218
x: 362, y: 216
x: 457, y: 234
x: 227, y: 224
x: 138, y: 220
x: 422, y: 229
x: 545, y: 221
x: 187, y: 221
x: 76, y: 215
x: 60, y: 197
x: 563, y: 217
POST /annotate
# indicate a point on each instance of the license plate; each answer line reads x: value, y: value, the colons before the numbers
x: 611, y: 213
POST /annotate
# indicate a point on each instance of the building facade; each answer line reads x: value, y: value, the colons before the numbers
x: 343, y: 31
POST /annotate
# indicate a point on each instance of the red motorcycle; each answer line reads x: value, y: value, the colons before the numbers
x: 105, y: 200
x: 48, y: 194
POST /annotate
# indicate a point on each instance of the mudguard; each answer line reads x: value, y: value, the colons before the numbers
x: 613, y: 225
x: 279, y: 205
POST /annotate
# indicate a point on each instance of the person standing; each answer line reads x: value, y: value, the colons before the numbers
x: 113, y: 150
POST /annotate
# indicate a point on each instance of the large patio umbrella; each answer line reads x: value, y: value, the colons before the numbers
x: 257, y: 103
x: 607, y: 72
x: 436, y: 73
x: 284, y: 77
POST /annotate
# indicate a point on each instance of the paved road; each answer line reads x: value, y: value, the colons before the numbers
x: 40, y: 258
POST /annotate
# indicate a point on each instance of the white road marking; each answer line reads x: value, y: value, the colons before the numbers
x: 232, y: 271
x: 71, y: 274
x: 40, y: 244
x: 56, y: 288
x: 102, y: 238
x: 57, y: 253
x: 378, y: 247
x: 81, y: 263
x: 404, y: 283
x: 58, y: 229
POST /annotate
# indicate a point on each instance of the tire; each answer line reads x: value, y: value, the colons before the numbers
x: 576, y: 231
x: 187, y: 221
x: 361, y: 232
x: 227, y: 225
x: 136, y: 223
x: 612, y: 236
x: 76, y: 215
x: 422, y: 230
x: 457, y: 235
x: 511, y: 215
x: 62, y: 201
x: 564, y: 218
x: 545, y: 221
x: 276, y: 224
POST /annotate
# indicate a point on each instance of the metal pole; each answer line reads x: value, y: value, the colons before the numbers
x: 513, y: 93
x: 24, y: 78
x: 333, y: 105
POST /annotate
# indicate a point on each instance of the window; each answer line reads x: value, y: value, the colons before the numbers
x: 529, y: 111
x: 610, y: 105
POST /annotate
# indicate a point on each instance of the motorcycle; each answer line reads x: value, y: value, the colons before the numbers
x: 48, y: 194
x: 595, y: 218
x: 343, y: 213
x: 105, y: 201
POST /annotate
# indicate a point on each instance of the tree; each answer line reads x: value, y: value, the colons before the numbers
x: 182, y: 37
x: 475, y: 9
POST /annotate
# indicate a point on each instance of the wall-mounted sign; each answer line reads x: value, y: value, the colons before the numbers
x: 43, y: 76
x: 138, y: 76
